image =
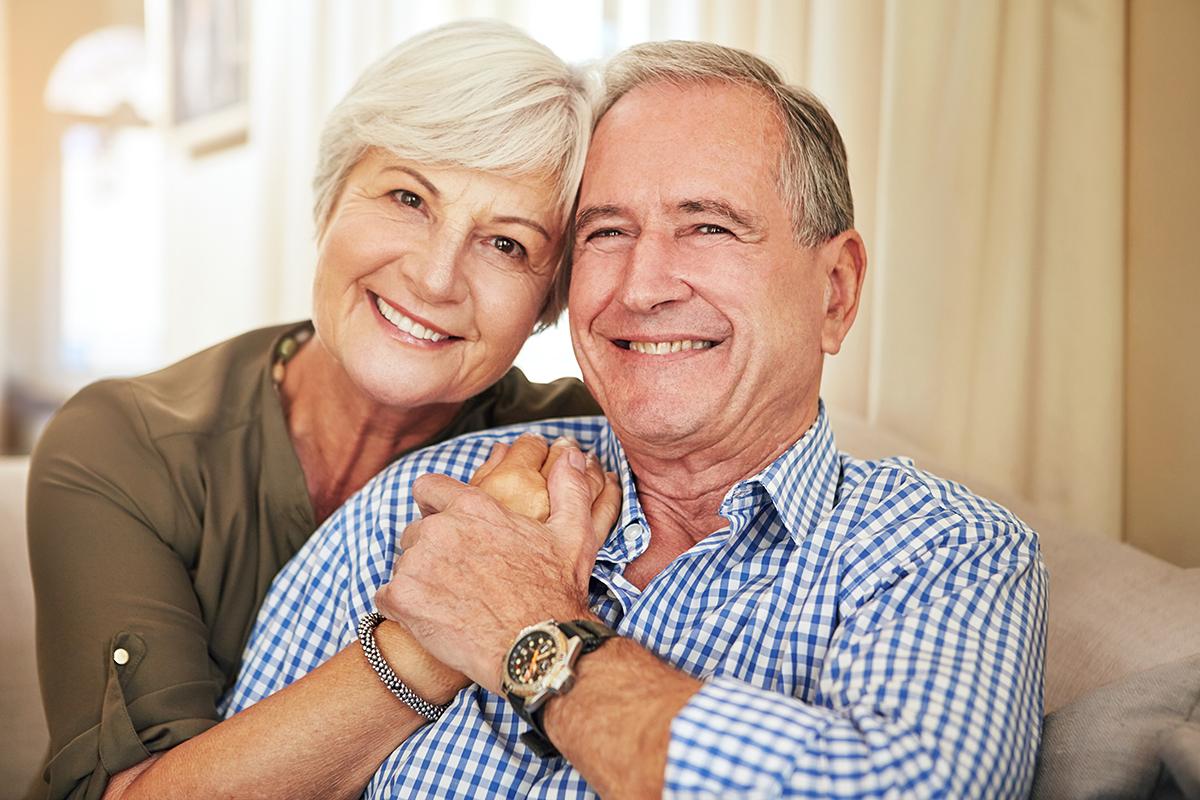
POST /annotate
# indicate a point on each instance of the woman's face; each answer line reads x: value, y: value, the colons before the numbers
x: 429, y: 279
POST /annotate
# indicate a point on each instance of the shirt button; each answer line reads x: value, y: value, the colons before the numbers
x: 635, y: 530
x: 121, y: 656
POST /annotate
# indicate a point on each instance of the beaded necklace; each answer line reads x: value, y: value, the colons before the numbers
x: 287, y: 348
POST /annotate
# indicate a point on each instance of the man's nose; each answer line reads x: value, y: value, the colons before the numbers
x: 653, y: 274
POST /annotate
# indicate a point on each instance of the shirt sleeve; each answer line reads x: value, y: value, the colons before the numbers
x: 122, y: 647
x: 303, y: 621
x: 932, y: 687
x: 312, y: 608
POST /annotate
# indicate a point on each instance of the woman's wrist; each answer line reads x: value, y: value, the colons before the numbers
x: 421, y: 672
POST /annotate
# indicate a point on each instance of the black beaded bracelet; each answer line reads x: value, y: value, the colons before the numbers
x: 366, y: 636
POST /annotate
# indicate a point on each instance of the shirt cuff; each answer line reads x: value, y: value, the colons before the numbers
x: 734, y: 739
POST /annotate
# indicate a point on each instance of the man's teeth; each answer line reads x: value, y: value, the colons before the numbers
x: 409, y: 326
x: 662, y: 348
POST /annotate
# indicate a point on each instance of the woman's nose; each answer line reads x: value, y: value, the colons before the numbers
x: 435, y: 272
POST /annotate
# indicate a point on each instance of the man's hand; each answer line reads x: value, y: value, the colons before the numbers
x: 473, y: 573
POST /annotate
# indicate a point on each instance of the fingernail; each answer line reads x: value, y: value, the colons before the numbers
x: 591, y: 460
x: 563, y: 441
x: 575, y: 459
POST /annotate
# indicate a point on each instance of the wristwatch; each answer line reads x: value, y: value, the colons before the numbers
x: 540, y: 664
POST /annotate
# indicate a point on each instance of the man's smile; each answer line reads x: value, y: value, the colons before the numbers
x: 664, y: 347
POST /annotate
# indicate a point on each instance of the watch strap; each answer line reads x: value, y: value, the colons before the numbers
x: 590, y: 634
x: 535, y: 738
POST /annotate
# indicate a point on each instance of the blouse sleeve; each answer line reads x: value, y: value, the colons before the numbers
x: 122, y: 646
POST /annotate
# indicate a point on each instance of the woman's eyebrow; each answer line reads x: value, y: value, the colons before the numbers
x: 421, y: 179
x: 527, y: 223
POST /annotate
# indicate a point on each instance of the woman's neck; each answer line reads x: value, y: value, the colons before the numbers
x: 341, y: 436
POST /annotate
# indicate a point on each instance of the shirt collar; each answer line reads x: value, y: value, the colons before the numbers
x: 631, y: 534
x: 802, y: 483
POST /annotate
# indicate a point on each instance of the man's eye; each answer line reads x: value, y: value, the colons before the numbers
x: 603, y: 233
x: 405, y: 197
x: 510, y: 247
x: 709, y: 230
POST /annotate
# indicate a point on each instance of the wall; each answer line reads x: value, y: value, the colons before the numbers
x: 47, y: 28
x: 215, y: 284
x: 214, y: 281
x: 4, y: 136
x: 1162, y: 432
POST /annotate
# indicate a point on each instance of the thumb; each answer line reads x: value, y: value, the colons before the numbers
x: 433, y: 492
x: 570, y: 494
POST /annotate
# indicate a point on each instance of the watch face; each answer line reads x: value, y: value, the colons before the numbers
x: 532, y: 658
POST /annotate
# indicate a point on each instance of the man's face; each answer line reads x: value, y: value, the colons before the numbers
x: 695, y: 316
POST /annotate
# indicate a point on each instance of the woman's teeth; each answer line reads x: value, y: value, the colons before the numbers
x: 662, y: 348
x: 409, y: 326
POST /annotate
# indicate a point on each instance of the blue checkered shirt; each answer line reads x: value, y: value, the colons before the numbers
x: 861, y: 627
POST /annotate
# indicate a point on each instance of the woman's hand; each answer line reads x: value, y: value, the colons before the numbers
x: 515, y: 476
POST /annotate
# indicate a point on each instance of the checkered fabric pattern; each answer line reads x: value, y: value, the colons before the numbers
x: 863, y: 629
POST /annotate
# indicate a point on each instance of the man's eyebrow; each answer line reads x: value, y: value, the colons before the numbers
x: 527, y: 223
x: 421, y: 179
x: 721, y: 208
x: 592, y: 213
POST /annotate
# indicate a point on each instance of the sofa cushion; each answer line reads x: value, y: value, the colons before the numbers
x: 1112, y: 741
x: 23, y: 735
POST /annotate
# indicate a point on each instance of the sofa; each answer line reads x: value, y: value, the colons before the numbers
x: 1122, y: 654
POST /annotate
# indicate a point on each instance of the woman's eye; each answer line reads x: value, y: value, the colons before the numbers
x: 405, y: 197
x: 709, y: 230
x: 510, y: 247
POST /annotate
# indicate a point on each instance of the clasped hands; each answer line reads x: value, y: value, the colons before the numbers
x: 514, y: 547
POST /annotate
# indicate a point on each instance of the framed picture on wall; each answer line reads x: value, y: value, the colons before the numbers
x: 208, y: 72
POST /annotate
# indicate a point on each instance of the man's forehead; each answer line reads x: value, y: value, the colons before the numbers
x: 668, y: 99
x: 683, y: 143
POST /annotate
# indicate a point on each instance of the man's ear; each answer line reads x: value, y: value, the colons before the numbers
x: 844, y: 258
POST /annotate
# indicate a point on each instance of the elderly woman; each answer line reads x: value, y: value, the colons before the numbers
x: 161, y: 507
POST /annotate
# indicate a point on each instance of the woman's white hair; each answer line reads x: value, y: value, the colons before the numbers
x: 478, y: 95
x: 813, y: 176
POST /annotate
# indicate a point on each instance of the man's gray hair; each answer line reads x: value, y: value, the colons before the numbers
x: 479, y: 95
x: 813, y: 177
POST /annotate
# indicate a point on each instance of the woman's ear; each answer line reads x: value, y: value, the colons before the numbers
x: 845, y: 260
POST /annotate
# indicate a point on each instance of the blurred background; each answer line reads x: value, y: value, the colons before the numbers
x: 1025, y: 173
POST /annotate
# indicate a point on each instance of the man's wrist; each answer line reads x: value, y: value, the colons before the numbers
x: 560, y: 645
x: 585, y: 668
x: 421, y: 672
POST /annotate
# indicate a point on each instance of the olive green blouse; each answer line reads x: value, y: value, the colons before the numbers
x: 160, y: 509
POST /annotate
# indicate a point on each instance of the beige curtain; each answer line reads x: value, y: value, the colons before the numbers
x: 987, y: 146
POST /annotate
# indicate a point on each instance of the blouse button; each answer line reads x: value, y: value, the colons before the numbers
x: 121, y: 656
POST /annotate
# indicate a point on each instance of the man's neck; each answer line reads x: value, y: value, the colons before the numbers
x: 681, y: 485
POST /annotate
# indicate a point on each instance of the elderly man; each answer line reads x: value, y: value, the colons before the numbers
x: 768, y: 617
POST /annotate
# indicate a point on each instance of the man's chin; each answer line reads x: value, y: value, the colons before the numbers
x: 660, y: 421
